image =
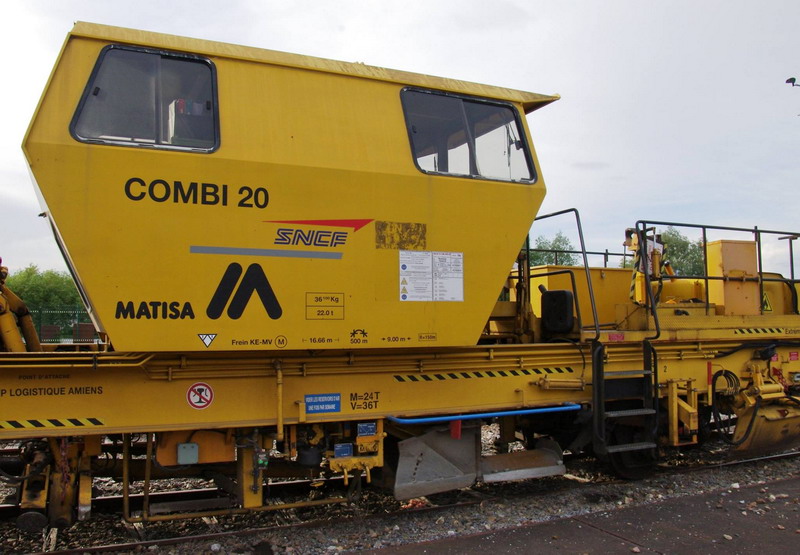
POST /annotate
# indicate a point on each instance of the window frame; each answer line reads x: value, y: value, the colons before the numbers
x: 470, y: 142
x: 159, y: 52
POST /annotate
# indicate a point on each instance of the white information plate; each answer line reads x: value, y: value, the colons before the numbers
x: 431, y: 276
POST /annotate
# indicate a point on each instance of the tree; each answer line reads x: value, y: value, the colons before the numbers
x: 560, y: 243
x: 52, y: 298
x: 46, y: 288
x: 684, y: 255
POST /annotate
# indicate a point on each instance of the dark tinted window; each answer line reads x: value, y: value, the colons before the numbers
x: 149, y: 98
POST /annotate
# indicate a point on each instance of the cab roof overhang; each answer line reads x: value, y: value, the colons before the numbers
x: 529, y: 101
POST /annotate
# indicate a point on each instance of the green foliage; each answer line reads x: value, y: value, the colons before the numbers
x: 560, y: 243
x: 52, y: 299
x: 685, y: 256
x: 39, y: 289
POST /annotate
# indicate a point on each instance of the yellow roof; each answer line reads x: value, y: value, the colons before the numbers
x: 530, y: 101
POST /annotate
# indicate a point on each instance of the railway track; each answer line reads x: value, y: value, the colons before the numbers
x: 738, y: 462
x: 371, y: 514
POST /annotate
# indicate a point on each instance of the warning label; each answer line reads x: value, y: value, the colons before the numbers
x: 766, y: 305
x: 324, y: 402
x: 199, y: 395
x: 431, y: 276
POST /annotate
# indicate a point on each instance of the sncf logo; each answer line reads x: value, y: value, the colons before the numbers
x: 234, y: 292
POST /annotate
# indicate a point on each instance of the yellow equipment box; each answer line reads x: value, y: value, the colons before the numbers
x: 736, y: 261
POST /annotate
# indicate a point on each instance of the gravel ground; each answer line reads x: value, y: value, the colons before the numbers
x: 585, y: 489
x: 521, y: 503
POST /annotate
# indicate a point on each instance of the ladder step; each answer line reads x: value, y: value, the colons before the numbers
x: 630, y: 447
x: 629, y: 412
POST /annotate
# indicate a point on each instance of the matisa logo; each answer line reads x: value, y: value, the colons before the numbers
x: 154, y: 310
x: 234, y: 292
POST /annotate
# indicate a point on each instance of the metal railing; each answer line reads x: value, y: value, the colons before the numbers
x: 643, y: 227
x: 585, y: 260
x: 69, y: 324
x: 606, y: 254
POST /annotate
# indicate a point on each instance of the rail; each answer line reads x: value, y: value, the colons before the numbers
x: 606, y: 254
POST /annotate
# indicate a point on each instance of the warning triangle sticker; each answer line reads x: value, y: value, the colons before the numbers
x: 403, y: 290
x: 207, y: 338
x: 404, y: 282
x: 765, y: 304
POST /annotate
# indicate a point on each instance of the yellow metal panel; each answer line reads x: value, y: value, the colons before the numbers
x: 776, y: 427
x: 84, y: 495
x: 778, y: 297
x: 611, y: 287
x: 92, y: 446
x: 332, y: 152
x: 213, y: 447
x: 734, y: 260
x: 34, y: 491
x: 249, y: 479
x: 240, y: 390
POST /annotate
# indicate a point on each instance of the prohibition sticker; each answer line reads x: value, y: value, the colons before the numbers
x: 199, y: 395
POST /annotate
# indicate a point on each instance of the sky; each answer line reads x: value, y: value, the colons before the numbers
x: 675, y: 111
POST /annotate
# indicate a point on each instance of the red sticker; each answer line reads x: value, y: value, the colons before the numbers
x: 616, y: 337
x: 794, y: 355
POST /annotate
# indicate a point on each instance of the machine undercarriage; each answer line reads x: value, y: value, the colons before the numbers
x: 413, y: 422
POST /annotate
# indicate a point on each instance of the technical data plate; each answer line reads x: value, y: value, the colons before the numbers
x: 521, y: 465
x: 431, y: 276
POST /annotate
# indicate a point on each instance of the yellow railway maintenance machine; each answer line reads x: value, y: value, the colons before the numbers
x: 294, y: 265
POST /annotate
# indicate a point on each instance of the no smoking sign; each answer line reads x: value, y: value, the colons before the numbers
x: 199, y: 395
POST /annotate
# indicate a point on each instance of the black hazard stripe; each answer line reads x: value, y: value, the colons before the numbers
x: 756, y: 331
x: 411, y: 378
x: 51, y: 423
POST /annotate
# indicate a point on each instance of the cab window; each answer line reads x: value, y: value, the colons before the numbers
x: 149, y: 98
x: 466, y: 137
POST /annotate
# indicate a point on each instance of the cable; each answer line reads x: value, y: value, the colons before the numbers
x: 15, y: 480
x: 573, y: 343
x: 733, y: 383
x: 794, y: 400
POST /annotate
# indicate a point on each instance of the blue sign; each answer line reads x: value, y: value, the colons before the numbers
x: 343, y: 450
x: 323, y: 402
